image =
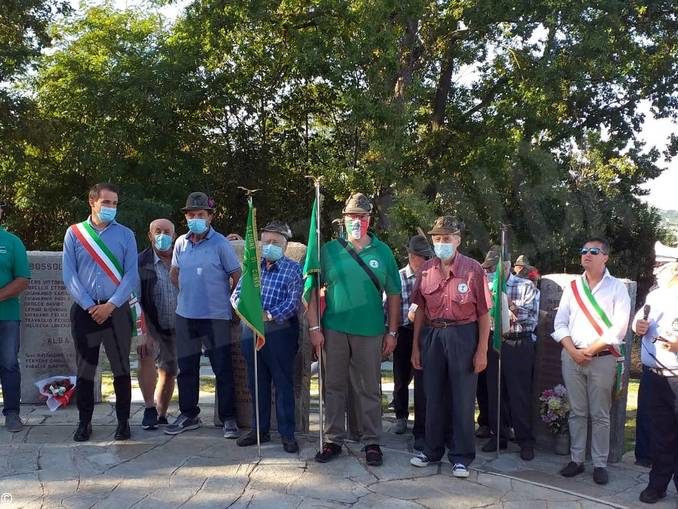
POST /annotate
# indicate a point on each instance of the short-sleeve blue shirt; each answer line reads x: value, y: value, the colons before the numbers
x: 204, y: 271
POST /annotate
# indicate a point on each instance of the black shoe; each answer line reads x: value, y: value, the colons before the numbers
x: 83, y: 432
x: 373, y: 455
x: 329, y: 452
x: 290, y: 445
x: 250, y: 438
x: 572, y: 469
x: 150, y: 420
x: 651, y: 496
x: 122, y: 432
x: 483, y: 432
x: 491, y: 445
x: 600, y: 475
x: 527, y: 453
x: 162, y: 420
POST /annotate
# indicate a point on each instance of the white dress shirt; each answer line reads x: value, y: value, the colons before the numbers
x: 663, y: 320
x: 612, y: 296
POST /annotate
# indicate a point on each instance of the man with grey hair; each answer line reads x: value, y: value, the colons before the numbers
x: 158, y: 348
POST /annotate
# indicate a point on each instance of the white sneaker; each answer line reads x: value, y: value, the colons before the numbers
x: 231, y: 429
x: 459, y: 470
x: 420, y: 460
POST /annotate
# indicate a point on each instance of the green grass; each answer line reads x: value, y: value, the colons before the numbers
x: 631, y: 410
x: 206, y: 385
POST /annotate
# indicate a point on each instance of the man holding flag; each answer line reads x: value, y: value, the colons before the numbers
x: 591, y: 324
x: 451, y: 292
x: 100, y: 273
x: 279, y: 295
x: 516, y: 349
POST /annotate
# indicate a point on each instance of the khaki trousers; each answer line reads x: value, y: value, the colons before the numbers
x: 589, y: 390
x: 355, y: 360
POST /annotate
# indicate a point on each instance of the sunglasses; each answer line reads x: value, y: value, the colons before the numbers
x: 593, y: 250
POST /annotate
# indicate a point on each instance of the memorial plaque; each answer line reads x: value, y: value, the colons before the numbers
x: 46, y: 344
x: 302, y: 363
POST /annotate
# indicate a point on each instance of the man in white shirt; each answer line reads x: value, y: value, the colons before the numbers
x: 590, y: 324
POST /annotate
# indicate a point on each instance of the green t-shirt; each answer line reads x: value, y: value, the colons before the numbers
x: 354, y: 305
x: 13, y: 264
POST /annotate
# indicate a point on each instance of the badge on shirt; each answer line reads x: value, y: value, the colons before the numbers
x: 462, y: 288
x: 374, y: 264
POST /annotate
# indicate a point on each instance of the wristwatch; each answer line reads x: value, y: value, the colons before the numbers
x: 393, y: 333
x: 269, y: 316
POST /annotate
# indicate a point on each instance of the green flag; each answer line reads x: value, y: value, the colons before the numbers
x: 312, y: 263
x: 498, y: 288
x: 249, y: 305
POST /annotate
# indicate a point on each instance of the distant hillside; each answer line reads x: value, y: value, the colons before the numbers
x: 670, y: 220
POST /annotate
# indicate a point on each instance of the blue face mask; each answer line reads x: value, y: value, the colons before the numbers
x: 162, y: 242
x: 444, y: 251
x: 197, y: 226
x: 107, y: 214
x: 271, y: 252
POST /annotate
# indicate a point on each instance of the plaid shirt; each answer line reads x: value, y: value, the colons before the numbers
x: 407, y: 279
x: 164, y: 295
x: 525, y: 296
x: 281, y: 286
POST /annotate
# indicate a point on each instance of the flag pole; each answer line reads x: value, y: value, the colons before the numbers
x: 502, y: 257
x: 249, y: 193
x: 321, y: 412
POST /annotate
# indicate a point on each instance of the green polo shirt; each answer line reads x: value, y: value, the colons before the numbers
x: 13, y: 264
x: 354, y: 305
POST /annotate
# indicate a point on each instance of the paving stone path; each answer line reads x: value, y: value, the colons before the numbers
x: 43, y: 467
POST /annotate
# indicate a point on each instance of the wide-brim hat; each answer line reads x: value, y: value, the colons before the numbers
x: 521, y: 261
x: 419, y: 246
x: 491, y: 258
x: 278, y: 227
x: 358, y: 203
x: 198, y: 201
x: 447, y: 225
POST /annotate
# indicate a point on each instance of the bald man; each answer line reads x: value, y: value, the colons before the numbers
x: 157, y: 350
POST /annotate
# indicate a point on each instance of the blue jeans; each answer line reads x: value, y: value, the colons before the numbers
x: 215, y: 335
x: 275, y: 363
x: 643, y: 425
x: 10, y: 375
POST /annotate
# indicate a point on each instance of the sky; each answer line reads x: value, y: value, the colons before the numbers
x: 655, y: 132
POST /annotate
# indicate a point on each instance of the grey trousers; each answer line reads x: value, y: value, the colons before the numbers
x: 354, y: 360
x: 589, y: 389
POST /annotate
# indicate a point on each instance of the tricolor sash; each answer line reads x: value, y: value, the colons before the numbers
x: 111, y: 266
x: 599, y: 321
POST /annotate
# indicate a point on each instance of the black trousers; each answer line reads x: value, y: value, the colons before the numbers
x: 663, y: 409
x: 481, y: 398
x: 116, y: 336
x: 450, y: 383
x: 643, y: 427
x: 517, y: 365
x: 403, y: 373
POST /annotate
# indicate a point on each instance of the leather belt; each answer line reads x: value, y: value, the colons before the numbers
x: 664, y: 372
x: 599, y: 354
x: 441, y: 323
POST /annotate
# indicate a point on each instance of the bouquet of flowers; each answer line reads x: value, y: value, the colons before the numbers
x: 57, y: 390
x: 554, y: 407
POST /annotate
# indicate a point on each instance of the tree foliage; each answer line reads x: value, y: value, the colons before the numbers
x: 525, y: 113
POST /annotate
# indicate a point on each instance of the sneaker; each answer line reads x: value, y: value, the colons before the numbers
x: 183, y: 423
x: 150, y: 420
x: 391, y: 405
x: 162, y: 420
x: 122, y: 432
x: 231, y: 429
x: 600, y: 475
x: 421, y: 460
x: 483, y: 432
x: 491, y: 445
x: 13, y: 422
x: 651, y: 496
x: 250, y: 438
x: 373, y: 455
x: 400, y: 426
x: 83, y: 432
x: 290, y: 445
x: 459, y: 470
x: 329, y: 452
x: 527, y: 453
x: 572, y: 469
